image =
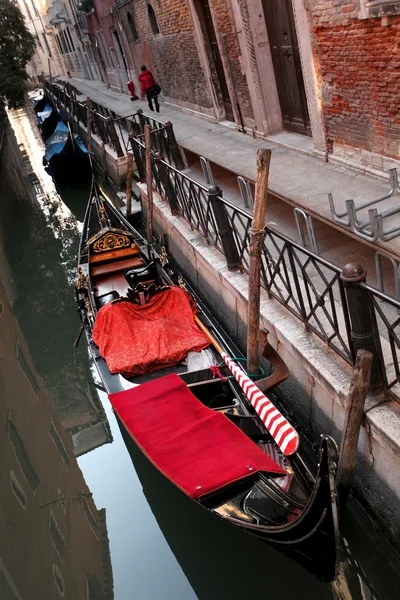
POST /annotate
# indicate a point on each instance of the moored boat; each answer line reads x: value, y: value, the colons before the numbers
x: 66, y: 154
x: 46, y: 116
x: 209, y: 427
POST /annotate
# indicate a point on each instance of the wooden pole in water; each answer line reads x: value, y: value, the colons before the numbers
x: 129, y: 171
x: 352, y: 424
x: 149, y: 184
x: 104, y: 155
x: 89, y: 125
x: 256, y: 241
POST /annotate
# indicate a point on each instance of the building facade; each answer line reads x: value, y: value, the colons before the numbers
x: 72, y: 41
x: 53, y: 540
x: 325, y: 69
x: 35, y: 21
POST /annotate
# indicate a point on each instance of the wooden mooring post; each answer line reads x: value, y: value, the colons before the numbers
x: 89, y: 126
x: 352, y: 424
x: 149, y: 184
x: 129, y: 171
x: 256, y: 241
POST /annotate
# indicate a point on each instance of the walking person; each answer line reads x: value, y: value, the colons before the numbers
x: 150, y: 88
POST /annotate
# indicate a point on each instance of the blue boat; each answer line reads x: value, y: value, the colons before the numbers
x: 46, y: 116
x: 66, y: 155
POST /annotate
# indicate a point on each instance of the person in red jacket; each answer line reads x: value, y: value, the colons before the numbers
x: 150, y: 88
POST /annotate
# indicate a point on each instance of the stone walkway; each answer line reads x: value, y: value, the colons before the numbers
x: 297, y: 176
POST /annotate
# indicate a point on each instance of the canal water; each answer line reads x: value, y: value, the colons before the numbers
x: 83, y: 514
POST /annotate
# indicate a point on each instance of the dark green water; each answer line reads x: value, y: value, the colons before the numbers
x: 153, y: 543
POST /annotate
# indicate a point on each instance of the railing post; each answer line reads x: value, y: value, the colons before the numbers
x: 114, y: 137
x: 173, y: 146
x: 142, y: 120
x: 138, y: 159
x: 224, y: 228
x: 166, y: 183
x: 364, y: 332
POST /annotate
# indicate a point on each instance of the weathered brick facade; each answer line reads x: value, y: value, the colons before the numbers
x: 358, y: 66
x: 173, y: 54
x: 224, y: 22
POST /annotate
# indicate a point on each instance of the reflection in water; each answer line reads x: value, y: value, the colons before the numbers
x: 53, y: 540
x: 42, y: 255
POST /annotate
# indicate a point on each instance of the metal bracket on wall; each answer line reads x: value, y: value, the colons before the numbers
x: 245, y: 192
x: 379, y: 273
x: 371, y: 228
x: 312, y: 241
x: 208, y: 176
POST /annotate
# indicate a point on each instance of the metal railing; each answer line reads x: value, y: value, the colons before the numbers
x: 335, y: 304
x: 114, y: 130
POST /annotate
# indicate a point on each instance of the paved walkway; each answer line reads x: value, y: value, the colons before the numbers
x: 298, y: 177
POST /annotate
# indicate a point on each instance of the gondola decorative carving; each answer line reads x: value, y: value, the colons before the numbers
x: 111, y: 241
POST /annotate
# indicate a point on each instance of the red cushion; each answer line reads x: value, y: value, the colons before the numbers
x: 136, y: 339
x: 198, y: 449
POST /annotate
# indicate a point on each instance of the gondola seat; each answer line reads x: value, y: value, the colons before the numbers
x: 116, y: 266
x: 135, y: 339
x: 106, y: 298
x: 111, y: 255
x: 198, y: 449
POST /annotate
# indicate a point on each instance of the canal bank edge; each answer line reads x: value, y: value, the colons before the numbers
x: 320, y: 379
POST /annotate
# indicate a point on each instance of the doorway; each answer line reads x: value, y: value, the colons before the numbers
x: 287, y: 67
x: 210, y: 38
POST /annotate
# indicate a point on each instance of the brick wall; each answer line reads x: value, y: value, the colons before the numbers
x: 225, y: 25
x: 358, y: 67
x: 171, y: 55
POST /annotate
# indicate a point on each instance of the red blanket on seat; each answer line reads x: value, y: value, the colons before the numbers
x: 198, y: 449
x: 137, y: 339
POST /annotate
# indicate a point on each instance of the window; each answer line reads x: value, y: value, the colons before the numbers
x: 1, y: 307
x: 378, y: 8
x: 153, y: 19
x: 46, y: 43
x: 90, y: 518
x: 71, y: 43
x: 17, y: 490
x: 57, y: 537
x: 59, y: 48
x: 38, y: 42
x: 132, y: 27
x: 58, y: 578
x: 21, y: 455
x: 55, y: 436
x: 27, y: 371
x: 63, y: 42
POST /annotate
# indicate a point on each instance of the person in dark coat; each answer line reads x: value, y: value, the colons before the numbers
x: 150, y: 88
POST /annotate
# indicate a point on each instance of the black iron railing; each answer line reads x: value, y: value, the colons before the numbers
x: 114, y: 130
x: 335, y: 304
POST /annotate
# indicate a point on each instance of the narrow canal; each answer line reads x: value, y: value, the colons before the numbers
x: 83, y: 515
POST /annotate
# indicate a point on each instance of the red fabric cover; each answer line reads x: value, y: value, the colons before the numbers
x: 137, y: 339
x: 146, y: 81
x: 198, y: 449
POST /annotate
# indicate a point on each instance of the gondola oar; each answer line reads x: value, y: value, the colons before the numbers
x: 285, y: 436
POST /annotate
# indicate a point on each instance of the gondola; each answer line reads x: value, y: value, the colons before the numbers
x: 195, y: 421
x: 65, y: 154
x: 46, y: 116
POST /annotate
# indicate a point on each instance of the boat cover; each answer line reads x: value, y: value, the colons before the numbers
x: 56, y: 142
x: 44, y: 114
x: 198, y: 449
x: 136, y: 339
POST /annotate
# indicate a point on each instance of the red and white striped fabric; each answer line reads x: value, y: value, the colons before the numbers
x: 278, y: 426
